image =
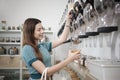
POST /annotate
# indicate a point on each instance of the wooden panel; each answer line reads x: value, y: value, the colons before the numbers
x: 9, y: 61
x: 89, y: 77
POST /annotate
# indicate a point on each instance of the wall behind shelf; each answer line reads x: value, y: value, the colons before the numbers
x: 16, y: 11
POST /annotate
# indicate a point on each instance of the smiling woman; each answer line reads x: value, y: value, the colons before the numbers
x: 37, y: 55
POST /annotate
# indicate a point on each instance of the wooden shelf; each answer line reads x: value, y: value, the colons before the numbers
x: 10, y: 43
x: 9, y: 31
x: 9, y: 67
x: 10, y: 55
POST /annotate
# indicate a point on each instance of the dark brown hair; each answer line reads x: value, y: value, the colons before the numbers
x: 28, y: 35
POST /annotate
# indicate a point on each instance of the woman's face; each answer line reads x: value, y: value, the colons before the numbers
x: 39, y: 31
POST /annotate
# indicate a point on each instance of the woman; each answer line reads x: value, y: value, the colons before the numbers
x: 36, y: 56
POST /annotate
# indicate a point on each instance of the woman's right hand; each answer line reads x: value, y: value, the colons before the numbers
x: 74, y: 55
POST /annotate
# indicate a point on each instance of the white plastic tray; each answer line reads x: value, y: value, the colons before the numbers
x: 104, y: 69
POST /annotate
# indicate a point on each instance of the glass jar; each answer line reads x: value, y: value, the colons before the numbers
x: 17, y: 39
x: 15, y: 50
x: 2, y: 50
x: 10, y: 51
x: 12, y: 39
x: 13, y: 27
x: 106, y: 14
x: 7, y: 39
x: 4, y: 24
